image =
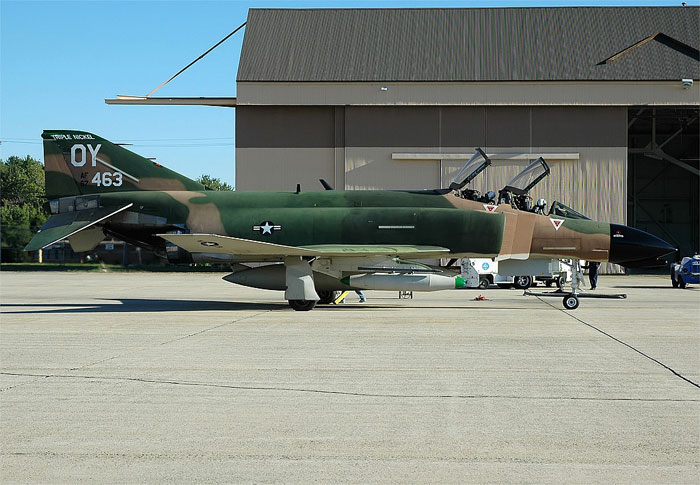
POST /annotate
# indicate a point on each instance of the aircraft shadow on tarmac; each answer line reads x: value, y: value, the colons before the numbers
x: 649, y: 287
x: 142, y: 306
x: 123, y: 305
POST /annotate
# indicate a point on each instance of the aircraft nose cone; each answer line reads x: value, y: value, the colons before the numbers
x: 632, y: 247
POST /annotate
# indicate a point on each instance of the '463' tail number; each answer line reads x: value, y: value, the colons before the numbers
x: 107, y: 179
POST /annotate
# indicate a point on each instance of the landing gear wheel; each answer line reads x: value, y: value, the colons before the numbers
x: 327, y: 297
x: 561, y: 281
x: 571, y: 302
x: 522, y: 282
x: 483, y: 283
x: 302, y: 305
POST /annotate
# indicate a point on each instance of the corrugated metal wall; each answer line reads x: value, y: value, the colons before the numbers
x: 595, y: 185
x: 353, y: 147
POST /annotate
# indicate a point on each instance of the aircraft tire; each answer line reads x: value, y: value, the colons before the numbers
x: 571, y: 302
x: 327, y: 297
x: 302, y: 305
x: 561, y: 281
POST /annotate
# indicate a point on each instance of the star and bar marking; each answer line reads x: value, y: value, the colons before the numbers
x: 267, y: 227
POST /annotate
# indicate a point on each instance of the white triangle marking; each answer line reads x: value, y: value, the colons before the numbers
x: 557, y: 223
x: 490, y: 207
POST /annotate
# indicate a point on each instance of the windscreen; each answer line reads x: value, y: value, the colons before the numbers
x: 476, y: 164
x: 561, y: 210
x: 529, y: 177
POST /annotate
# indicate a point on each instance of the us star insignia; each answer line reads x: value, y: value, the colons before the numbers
x: 209, y: 244
x: 267, y: 227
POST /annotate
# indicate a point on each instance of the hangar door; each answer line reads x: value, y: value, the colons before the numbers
x: 663, y: 175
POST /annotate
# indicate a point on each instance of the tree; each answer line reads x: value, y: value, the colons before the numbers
x: 213, y: 183
x: 22, y: 209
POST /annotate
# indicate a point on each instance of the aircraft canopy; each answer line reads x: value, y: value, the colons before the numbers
x: 476, y: 164
x: 561, y: 210
x: 528, y: 178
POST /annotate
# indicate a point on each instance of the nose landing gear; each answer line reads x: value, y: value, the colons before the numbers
x: 570, y: 299
x: 571, y: 302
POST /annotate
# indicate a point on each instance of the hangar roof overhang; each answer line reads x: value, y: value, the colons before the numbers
x: 181, y: 101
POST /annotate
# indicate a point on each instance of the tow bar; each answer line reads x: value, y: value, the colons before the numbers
x: 571, y: 300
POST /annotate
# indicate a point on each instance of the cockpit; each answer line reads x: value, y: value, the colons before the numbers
x: 561, y: 210
x: 515, y: 192
x: 476, y: 164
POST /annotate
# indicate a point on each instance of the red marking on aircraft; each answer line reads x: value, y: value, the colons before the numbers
x: 557, y: 223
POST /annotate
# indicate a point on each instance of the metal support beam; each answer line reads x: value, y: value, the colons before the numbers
x: 636, y: 117
x: 677, y: 162
x: 654, y: 150
x: 658, y: 224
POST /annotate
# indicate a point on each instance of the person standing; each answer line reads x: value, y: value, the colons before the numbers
x: 593, y: 273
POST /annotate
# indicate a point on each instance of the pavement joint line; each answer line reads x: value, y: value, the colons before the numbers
x: 166, y: 342
x: 39, y: 377
x: 674, y: 372
x: 345, y: 393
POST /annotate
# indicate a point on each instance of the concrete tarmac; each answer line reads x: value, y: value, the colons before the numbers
x: 171, y: 377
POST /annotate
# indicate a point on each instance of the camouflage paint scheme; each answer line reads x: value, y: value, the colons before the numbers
x: 102, y: 186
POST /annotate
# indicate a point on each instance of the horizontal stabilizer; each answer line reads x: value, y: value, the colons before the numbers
x: 61, y: 226
x: 211, y: 243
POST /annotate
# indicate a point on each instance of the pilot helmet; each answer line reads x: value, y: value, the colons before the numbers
x: 541, y: 203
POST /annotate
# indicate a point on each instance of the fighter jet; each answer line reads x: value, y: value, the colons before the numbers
x: 325, y: 240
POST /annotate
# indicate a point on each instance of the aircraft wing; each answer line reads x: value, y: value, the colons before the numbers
x: 379, y: 250
x: 61, y: 226
x: 212, y: 243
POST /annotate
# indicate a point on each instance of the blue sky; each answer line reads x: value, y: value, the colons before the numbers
x: 59, y: 60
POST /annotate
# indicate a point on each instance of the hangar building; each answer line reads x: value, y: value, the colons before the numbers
x: 399, y: 99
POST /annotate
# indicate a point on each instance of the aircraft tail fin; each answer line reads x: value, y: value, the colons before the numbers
x: 78, y: 163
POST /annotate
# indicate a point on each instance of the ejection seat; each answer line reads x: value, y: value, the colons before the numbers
x: 516, y: 191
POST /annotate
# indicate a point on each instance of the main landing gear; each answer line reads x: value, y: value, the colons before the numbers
x: 300, y: 293
x: 302, y: 305
x: 327, y: 297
